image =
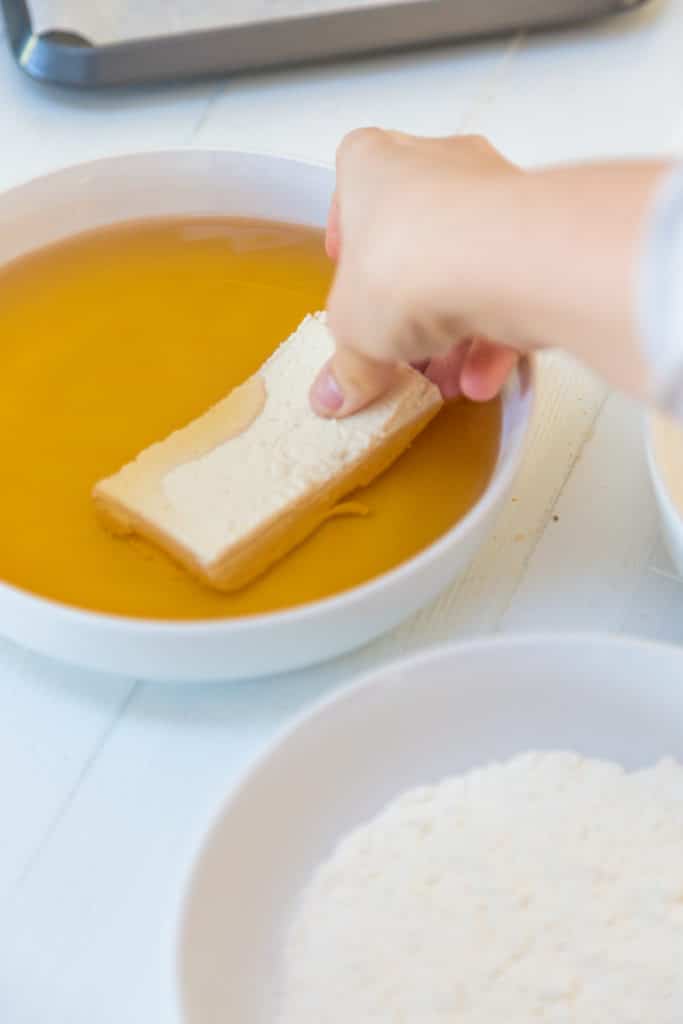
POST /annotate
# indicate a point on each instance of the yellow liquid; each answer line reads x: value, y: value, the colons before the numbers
x: 111, y: 340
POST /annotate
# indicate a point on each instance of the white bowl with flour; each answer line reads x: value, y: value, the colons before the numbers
x: 413, y: 724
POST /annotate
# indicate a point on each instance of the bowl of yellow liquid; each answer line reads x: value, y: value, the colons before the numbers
x: 135, y: 292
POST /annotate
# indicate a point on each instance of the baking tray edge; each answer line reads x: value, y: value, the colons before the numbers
x: 65, y: 60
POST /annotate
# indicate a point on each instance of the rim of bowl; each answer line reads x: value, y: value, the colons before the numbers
x: 380, y: 675
x: 119, y: 156
x: 657, y: 474
x: 524, y: 374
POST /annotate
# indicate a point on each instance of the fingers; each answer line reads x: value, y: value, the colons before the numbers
x: 445, y: 371
x: 477, y: 369
x: 348, y: 383
x: 486, y: 369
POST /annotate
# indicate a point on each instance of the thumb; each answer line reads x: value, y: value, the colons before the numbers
x: 349, y: 382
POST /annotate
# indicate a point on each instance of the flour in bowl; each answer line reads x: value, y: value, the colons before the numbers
x: 549, y: 888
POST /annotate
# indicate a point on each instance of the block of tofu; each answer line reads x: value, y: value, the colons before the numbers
x: 235, y: 490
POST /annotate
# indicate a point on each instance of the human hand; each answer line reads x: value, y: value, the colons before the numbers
x: 405, y: 230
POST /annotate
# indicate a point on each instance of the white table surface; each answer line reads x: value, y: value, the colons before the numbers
x: 106, y: 785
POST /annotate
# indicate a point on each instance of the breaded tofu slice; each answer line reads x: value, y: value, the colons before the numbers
x: 235, y: 490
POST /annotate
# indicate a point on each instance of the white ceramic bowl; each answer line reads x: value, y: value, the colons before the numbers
x: 193, y: 182
x: 664, y: 440
x: 409, y: 724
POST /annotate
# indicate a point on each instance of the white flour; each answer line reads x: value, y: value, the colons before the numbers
x: 547, y: 889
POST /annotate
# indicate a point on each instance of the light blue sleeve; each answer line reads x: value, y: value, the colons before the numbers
x: 661, y: 296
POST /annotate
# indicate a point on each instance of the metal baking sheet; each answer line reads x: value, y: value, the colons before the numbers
x: 115, y: 42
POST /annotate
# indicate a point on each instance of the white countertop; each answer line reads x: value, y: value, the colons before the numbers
x: 105, y: 785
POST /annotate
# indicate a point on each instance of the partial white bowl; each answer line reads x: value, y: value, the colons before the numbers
x: 194, y: 182
x: 406, y: 725
x: 664, y: 440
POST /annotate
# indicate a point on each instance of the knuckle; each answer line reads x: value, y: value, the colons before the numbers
x: 359, y: 143
x: 479, y: 141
